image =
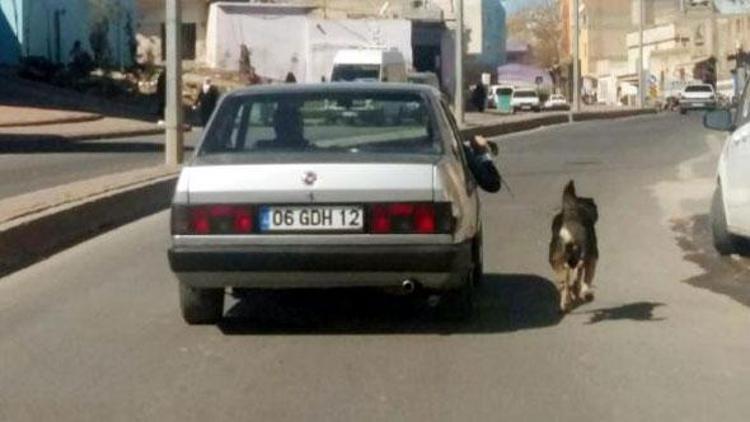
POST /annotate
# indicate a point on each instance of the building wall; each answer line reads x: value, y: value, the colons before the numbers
x: 307, y: 45
x: 604, y: 25
x: 11, y: 35
x: 152, y: 15
x: 33, y: 24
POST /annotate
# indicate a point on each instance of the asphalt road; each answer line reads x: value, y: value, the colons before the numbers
x: 94, y: 332
x: 30, y: 165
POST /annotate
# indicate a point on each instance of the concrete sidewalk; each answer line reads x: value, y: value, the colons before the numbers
x: 19, y: 116
x: 79, y: 128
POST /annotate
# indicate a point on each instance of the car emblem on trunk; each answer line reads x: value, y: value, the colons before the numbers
x: 309, y: 178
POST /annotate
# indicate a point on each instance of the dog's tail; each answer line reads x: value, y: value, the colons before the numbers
x: 570, y: 200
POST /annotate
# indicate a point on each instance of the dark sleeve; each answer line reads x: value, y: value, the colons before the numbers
x: 484, y: 171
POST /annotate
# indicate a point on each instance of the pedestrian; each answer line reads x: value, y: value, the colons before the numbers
x: 290, y: 78
x: 206, y: 101
x: 252, y: 77
x: 479, y: 97
x: 161, y: 94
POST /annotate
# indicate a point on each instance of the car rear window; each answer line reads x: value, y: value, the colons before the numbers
x: 699, y: 88
x: 524, y: 94
x: 323, y: 122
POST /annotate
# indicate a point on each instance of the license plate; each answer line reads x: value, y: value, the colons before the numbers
x: 526, y: 107
x: 312, y: 219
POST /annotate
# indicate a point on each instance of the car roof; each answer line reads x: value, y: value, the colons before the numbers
x: 336, y: 87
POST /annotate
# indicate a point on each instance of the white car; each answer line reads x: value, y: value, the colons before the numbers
x: 697, y: 96
x: 525, y: 99
x: 309, y: 202
x: 730, y: 209
x: 556, y: 102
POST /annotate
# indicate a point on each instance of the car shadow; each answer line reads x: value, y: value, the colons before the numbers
x: 505, y: 303
x: 722, y: 275
x: 34, y: 144
x: 639, y: 311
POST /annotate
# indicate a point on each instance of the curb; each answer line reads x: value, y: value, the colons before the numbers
x: 59, y: 121
x: 556, y: 119
x: 27, y: 237
x: 31, y: 238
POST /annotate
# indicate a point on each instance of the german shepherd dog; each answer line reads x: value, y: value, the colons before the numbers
x: 573, y: 250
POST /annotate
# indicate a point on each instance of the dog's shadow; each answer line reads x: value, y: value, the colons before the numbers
x: 504, y: 303
x: 639, y: 311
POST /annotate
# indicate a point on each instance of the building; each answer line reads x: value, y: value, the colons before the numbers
x: 686, y: 42
x: 517, y: 51
x: 50, y: 29
x: 604, y: 25
x: 602, y: 46
x: 151, y: 30
x: 307, y: 45
x: 426, y: 38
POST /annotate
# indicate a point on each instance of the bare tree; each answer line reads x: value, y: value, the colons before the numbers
x: 541, y: 27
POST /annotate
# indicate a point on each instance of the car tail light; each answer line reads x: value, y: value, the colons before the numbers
x: 212, y: 219
x: 411, y: 218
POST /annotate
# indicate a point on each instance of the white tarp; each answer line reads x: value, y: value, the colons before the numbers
x: 283, y: 40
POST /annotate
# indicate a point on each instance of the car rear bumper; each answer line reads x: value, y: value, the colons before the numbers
x: 697, y: 104
x: 269, y: 267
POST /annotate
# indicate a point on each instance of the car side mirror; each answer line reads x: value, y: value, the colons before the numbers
x: 719, y: 120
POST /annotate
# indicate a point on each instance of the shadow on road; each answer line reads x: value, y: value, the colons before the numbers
x: 505, y: 303
x: 722, y: 275
x: 639, y: 311
x: 32, y: 144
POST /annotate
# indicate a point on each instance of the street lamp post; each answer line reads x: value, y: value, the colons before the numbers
x: 641, y: 61
x: 458, y: 98
x: 173, y: 113
x: 576, y: 58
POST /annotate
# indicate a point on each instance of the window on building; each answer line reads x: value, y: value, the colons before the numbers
x: 188, y: 41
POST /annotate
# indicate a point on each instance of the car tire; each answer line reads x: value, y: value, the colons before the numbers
x: 201, y: 306
x: 724, y: 242
x: 458, y: 305
x: 478, y: 259
x: 683, y: 111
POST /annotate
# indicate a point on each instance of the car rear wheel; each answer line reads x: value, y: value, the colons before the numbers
x: 724, y: 242
x: 683, y: 111
x: 201, y: 306
x: 478, y: 256
x: 458, y: 305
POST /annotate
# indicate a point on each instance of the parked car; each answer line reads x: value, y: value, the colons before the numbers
x: 730, y: 208
x: 697, y: 97
x: 309, y: 202
x: 368, y: 65
x: 556, y: 102
x: 525, y: 99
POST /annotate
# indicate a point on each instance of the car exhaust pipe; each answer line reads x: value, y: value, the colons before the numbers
x: 408, y: 286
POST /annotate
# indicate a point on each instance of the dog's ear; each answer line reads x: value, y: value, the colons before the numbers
x: 570, y: 189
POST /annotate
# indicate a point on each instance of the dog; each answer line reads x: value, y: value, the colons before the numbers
x: 573, y: 250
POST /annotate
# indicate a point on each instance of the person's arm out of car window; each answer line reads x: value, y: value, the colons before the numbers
x: 479, y: 157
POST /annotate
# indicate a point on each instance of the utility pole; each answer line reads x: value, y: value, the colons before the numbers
x: 173, y: 113
x: 576, y: 59
x: 641, y: 61
x: 458, y: 98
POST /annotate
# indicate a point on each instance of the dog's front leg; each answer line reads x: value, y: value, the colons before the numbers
x: 564, y: 280
x: 587, y: 290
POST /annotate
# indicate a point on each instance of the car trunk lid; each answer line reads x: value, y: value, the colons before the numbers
x: 310, y: 183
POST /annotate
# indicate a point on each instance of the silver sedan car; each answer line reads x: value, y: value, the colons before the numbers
x: 331, y: 185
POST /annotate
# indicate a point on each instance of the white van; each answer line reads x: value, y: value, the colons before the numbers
x: 369, y: 65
